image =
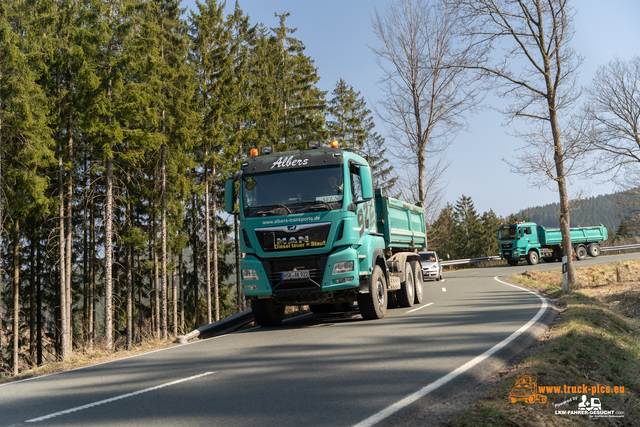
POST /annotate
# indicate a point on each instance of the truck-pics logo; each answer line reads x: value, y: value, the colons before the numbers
x: 526, y: 390
x: 285, y: 162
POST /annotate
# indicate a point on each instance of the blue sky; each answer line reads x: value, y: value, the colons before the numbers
x: 337, y: 35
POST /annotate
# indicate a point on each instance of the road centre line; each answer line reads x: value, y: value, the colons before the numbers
x: 122, y: 396
x: 419, y: 308
x: 387, y: 412
x: 444, y: 289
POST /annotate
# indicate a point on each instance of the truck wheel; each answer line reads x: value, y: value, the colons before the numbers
x: 267, y: 312
x: 581, y: 252
x: 512, y: 262
x: 407, y: 288
x: 594, y: 249
x: 532, y: 258
x: 373, y: 305
x: 417, y: 281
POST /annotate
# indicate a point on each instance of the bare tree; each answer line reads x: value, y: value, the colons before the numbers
x: 613, y: 106
x: 536, y: 68
x: 427, y: 87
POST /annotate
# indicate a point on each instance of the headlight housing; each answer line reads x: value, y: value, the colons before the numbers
x: 343, y: 267
x: 249, y: 275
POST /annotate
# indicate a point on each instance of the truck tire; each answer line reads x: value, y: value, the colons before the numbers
x: 581, y: 252
x: 533, y: 258
x: 267, y: 312
x: 512, y: 262
x: 407, y: 288
x: 417, y: 281
x: 373, y: 305
x: 594, y: 249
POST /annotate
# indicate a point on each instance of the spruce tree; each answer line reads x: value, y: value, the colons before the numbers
x: 467, y: 228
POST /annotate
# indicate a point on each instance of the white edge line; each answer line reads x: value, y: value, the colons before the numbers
x: 112, y: 399
x: 374, y: 419
x: 419, y: 308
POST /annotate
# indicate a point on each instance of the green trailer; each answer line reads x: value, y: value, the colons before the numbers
x: 314, y: 232
x: 531, y: 242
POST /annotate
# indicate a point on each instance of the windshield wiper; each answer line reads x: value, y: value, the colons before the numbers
x: 279, y: 205
x: 322, y: 204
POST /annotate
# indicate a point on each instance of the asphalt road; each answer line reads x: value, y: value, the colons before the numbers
x: 314, y: 370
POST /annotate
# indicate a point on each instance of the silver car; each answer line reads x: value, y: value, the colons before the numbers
x: 431, y: 267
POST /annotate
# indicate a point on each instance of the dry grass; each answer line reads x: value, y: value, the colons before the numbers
x: 80, y: 359
x: 594, y: 341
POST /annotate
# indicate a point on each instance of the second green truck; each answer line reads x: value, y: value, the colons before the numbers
x: 532, y: 242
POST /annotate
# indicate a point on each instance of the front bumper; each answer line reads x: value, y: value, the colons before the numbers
x: 430, y: 274
x: 321, y: 281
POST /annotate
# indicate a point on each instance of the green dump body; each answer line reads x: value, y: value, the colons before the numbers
x: 401, y: 224
x: 553, y: 236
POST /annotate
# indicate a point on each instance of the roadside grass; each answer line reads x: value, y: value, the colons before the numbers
x: 595, y: 341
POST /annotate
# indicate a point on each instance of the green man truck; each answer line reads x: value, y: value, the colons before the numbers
x: 527, y: 240
x: 314, y: 231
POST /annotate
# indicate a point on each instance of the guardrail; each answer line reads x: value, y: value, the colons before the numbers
x: 470, y: 260
x: 220, y: 327
x: 497, y: 258
x: 619, y: 248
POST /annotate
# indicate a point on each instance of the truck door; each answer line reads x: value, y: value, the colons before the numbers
x: 531, y: 234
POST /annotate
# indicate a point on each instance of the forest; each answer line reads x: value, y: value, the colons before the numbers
x: 119, y: 123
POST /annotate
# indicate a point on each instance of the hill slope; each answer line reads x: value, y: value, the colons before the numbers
x: 592, y: 211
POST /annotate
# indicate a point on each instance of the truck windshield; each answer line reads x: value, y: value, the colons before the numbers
x: 507, y: 232
x: 292, y: 191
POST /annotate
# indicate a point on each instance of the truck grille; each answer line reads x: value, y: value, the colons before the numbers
x: 314, y: 264
x: 292, y: 237
x: 507, y: 245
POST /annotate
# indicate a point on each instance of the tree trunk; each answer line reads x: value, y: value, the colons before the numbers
x: 163, y: 237
x: 16, y: 297
x: 63, y: 277
x: 207, y: 216
x: 181, y: 294
x: 174, y: 296
x: 38, y: 304
x: 214, y: 208
x: 129, y: 272
x: 237, y: 247
x: 108, y: 254
x: 92, y: 254
x: 194, y: 280
x: 32, y: 296
x: 156, y: 279
x: 85, y: 256
x: 565, y: 223
x: 68, y: 244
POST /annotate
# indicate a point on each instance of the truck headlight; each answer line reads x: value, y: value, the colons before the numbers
x: 343, y: 267
x: 249, y: 275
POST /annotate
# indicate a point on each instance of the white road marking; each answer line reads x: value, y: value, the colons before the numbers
x: 122, y: 396
x: 376, y: 418
x: 419, y: 308
x: 444, y: 289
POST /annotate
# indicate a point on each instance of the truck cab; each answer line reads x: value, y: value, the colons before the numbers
x: 308, y: 230
x: 517, y: 241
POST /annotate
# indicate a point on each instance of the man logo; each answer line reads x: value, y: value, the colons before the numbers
x: 292, y: 240
x: 292, y: 227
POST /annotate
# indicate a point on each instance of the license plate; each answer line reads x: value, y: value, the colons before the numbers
x: 295, y: 275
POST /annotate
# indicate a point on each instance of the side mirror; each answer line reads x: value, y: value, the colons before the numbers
x: 366, y: 182
x: 229, y: 196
